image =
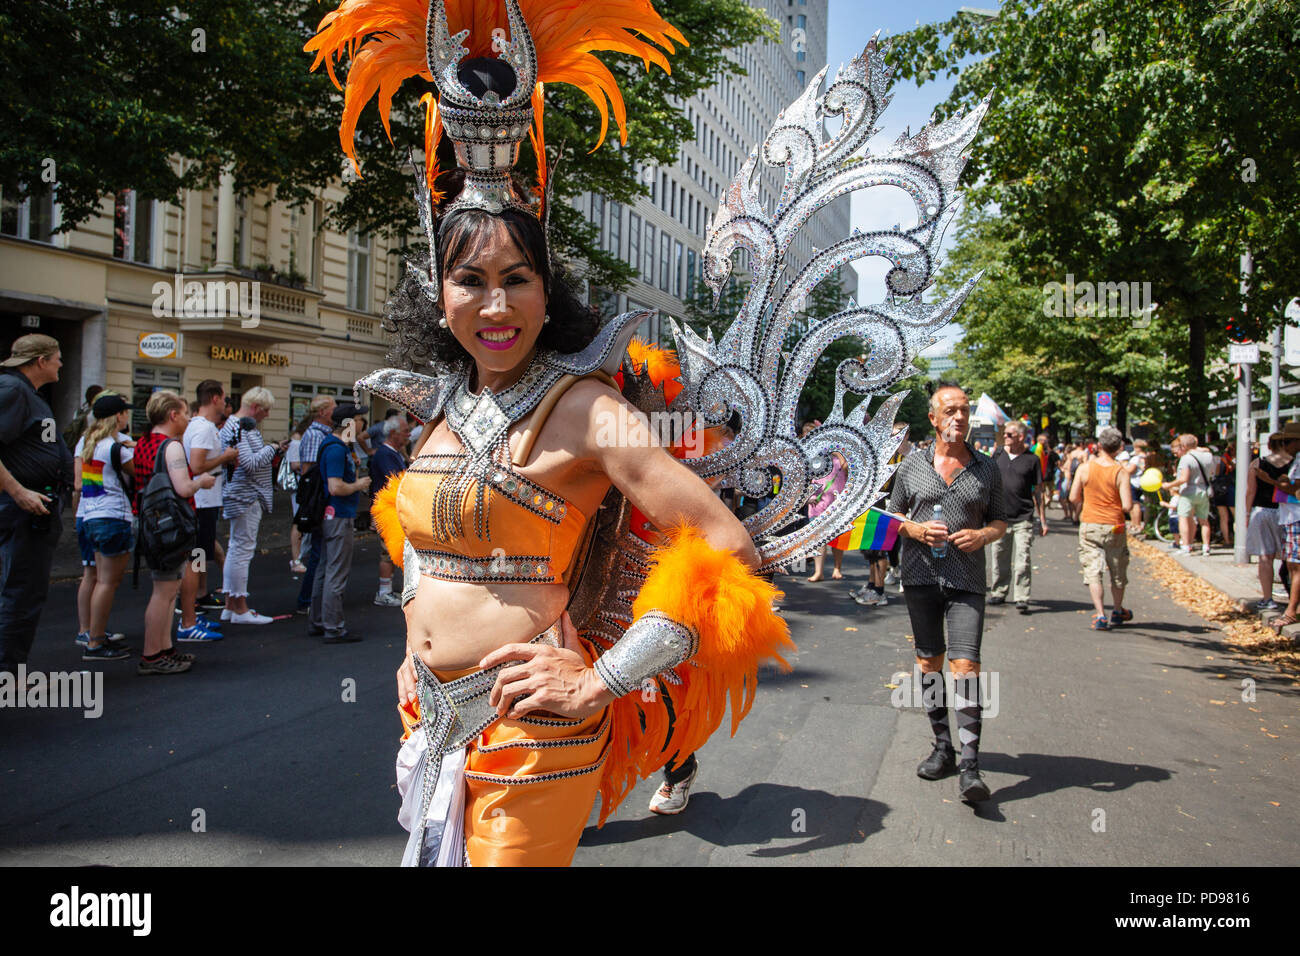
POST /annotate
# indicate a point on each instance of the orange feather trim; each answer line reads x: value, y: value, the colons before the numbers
x: 384, y: 510
x: 731, y: 610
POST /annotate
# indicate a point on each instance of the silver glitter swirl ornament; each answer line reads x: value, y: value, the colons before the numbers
x: 743, y: 373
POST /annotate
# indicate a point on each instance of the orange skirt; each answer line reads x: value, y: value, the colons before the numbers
x: 531, y: 783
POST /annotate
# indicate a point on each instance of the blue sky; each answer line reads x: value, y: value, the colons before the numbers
x: 851, y: 24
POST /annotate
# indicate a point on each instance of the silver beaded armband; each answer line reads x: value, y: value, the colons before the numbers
x: 653, y: 644
x: 410, y: 572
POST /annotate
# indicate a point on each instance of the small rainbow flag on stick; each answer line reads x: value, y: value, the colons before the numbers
x: 1280, y: 497
x: 875, y: 530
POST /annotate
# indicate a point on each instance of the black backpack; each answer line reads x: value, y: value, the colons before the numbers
x: 313, y: 495
x: 169, y: 527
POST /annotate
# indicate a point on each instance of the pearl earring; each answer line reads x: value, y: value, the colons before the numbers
x: 442, y: 321
x: 547, y: 319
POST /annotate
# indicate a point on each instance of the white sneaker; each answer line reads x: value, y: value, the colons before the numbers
x: 1185, y: 549
x: 891, y: 576
x: 387, y: 599
x: 225, y: 614
x: 869, y: 598
x: 1205, y: 552
x: 250, y: 617
x: 671, y: 797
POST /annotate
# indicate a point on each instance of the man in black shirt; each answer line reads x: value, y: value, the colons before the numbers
x: 945, y: 591
x: 35, y: 472
x: 1022, y: 489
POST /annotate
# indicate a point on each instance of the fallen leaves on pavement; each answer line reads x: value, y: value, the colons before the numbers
x: 1244, y: 630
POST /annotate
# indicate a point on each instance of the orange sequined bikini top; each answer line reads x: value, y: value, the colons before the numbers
x: 504, y: 528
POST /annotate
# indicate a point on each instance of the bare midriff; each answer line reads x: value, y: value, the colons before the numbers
x: 453, y: 625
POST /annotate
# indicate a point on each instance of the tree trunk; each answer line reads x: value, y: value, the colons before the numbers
x: 1121, y: 405
x: 1198, y: 395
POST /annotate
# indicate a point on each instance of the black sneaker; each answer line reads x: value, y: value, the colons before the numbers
x: 971, y: 785
x: 996, y: 599
x: 342, y: 637
x: 941, y: 763
x: 1022, y: 607
x: 210, y: 602
x: 105, y: 652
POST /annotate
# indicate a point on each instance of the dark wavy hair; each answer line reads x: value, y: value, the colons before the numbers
x: 413, y: 320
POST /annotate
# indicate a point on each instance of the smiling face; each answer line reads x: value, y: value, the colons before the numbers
x: 495, y: 303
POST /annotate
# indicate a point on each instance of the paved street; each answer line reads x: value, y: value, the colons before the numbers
x: 1143, y: 730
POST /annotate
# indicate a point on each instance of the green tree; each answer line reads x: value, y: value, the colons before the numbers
x: 1150, y: 141
x: 111, y: 93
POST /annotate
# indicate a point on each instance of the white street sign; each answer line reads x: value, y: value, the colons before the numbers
x: 1247, y: 354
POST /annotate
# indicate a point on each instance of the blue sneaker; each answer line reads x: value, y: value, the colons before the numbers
x: 83, y: 639
x: 198, y: 633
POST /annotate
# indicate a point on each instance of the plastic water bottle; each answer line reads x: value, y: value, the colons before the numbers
x: 939, y: 550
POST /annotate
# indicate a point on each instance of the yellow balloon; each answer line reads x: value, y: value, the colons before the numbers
x: 1151, y: 480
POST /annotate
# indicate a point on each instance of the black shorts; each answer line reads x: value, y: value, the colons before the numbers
x: 932, y: 607
x: 208, y: 531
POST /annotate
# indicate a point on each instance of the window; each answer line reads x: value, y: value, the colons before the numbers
x: 800, y: 56
x: 133, y: 222
x: 799, y: 77
x: 616, y: 229
x: 648, y: 268
x: 359, y: 255
x: 677, y: 269
x: 634, y: 240
x: 672, y: 202
x: 802, y: 22
x: 145, y: 380
x: 598, y: 214
x: 665, y: 242
x: 32, y: 218
x: 690, y: 271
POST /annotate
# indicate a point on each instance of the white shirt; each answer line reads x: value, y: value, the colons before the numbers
x: 102, y: 495
x: 201, y: 433
x: 1290, y: 514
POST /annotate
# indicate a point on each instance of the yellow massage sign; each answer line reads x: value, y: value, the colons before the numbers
x: 251, y: 356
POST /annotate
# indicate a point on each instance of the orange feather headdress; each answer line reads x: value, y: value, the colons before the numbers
x: 390, y: 41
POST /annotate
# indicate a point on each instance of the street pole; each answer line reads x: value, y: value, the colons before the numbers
x: 1275, y: 384
x: 1239, y: 555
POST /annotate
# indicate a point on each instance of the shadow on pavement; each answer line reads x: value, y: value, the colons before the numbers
x: 759, y: 815
x: 1046, y: 773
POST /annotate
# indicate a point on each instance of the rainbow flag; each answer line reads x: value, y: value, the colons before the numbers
x: 1040, y: 450
x: 92, y: 478
x: 875, y: 530
x: 1280, y: 497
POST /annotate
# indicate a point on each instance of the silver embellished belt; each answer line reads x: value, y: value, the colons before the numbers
x: 456, y: 712
x: 452, y: 714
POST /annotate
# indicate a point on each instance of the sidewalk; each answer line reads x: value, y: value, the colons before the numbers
x: 1239, y: 581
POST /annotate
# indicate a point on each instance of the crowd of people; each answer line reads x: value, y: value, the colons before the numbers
x: 158, y: 497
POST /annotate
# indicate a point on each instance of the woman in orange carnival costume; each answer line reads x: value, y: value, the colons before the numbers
x: 544, y: 612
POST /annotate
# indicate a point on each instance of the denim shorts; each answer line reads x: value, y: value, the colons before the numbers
x: 932, y: 608
x: 110, y: 537
x: 84, y: 546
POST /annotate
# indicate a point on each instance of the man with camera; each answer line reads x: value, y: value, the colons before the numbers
x: 35, y: 473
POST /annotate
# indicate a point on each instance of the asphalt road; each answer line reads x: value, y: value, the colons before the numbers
x: 1129, y: 747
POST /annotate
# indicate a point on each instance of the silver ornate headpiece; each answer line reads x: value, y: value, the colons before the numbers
x: 487, y: 131
x: 744, y: 372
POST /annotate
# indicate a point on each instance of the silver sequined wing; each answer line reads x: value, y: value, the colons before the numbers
x: 752, y: 372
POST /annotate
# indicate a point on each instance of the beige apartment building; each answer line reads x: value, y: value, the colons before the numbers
x: 266, y: 298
